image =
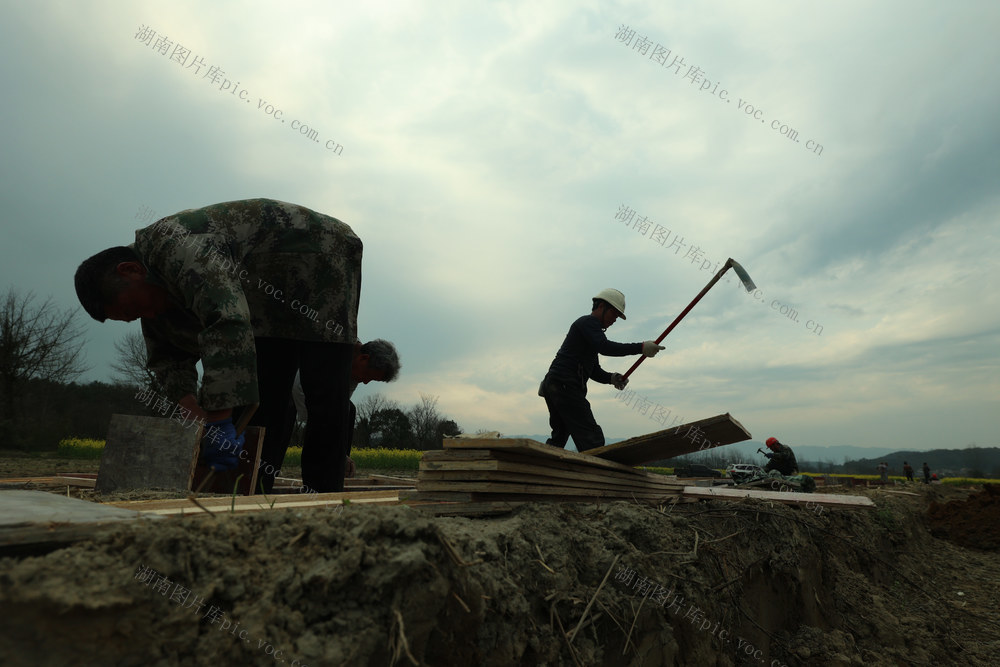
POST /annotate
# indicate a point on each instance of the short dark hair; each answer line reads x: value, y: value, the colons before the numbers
x: 97, y: 283
x: 382, y: 356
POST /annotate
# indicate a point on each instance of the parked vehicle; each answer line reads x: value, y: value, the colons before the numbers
x: 696, y: 470
x: 742, y: 472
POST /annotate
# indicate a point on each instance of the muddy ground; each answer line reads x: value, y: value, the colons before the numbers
x: 705, y: 583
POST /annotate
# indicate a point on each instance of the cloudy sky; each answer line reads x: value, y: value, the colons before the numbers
x: 490, y: 154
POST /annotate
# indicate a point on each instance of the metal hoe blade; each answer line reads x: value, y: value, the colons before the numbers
x: 742, y: 273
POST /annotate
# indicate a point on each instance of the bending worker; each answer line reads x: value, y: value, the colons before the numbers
x: 782, y: 458
x: 256, y: 290
x: 565, y: 385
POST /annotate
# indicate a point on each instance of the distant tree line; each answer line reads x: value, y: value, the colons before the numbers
x: 382, y: 422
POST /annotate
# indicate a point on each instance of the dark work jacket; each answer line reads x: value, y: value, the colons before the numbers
x: 576, y: 360
x: 783, y: 461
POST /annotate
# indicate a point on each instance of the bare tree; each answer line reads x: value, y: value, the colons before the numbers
x: 37, y: 342
x: 424, y: 420
x: 131, y: 365
x: 373, y: 403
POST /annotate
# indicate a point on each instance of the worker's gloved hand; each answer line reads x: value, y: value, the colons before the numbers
x: 768, y: 454
x: 619, y: 381
x: 220, y: 446
x: 650, y: 348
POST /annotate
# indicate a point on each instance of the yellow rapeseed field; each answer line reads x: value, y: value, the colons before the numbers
x: 380, y: 457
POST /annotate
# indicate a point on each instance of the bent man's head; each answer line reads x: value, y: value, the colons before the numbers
x: 376, y: 360
x: 112, y: 285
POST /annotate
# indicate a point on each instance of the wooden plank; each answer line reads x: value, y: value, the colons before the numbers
x: 368, y: 480
x: 513, y: 463
x: 56, y: 480
x: 455, y: 454
x: 534, y: 479
x: 787, y: 497
x: 504, y: 471
x: 148, y: 452
x: 684, y: 439
x: 533, y: 489
x: 532, y: 449
x: 568, y: 466
x: 301, y: 503
x: 520, y: 498
x: 290, y: 490
x: 393, y: 481
x: 246, y: 472
x: 257, y: 502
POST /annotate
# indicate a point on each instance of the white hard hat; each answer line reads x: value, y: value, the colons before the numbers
x: 613, y: 297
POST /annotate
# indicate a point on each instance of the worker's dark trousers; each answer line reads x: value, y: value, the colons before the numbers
x: 570, y: 415
x: 292, y: 415
x: 325, y: 370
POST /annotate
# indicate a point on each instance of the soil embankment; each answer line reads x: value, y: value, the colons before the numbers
x: 707, y: 583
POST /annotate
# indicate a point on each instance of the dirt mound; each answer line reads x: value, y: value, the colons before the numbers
x: 709, y: 583
x: 973, y: 522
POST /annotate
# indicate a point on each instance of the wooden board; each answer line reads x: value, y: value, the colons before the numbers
x: 246, y: 471
x: 530, y: 448
x: 532, y: 479
x: 505, y: 471
x: 520, y: 498
x: 676, y: 441
x: 351, y: 482
x: 787, y: 497
x: 513, y: 489
x: 148, y: 452
x: 258, y: 503
x: 55, y: 480
x: 507, y: 462
x: 30, y: 519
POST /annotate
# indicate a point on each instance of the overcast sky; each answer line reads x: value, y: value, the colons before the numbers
x: 846, y: 153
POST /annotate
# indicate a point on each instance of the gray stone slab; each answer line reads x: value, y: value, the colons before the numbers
x: 32, y: 518
x: 19, y: 508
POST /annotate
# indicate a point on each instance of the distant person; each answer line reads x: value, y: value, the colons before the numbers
x: 376, y: 360
x: 781, y: 458
x: 927, y: 473
x: 908, y: 471
x: 883, y: 471
x: 564, y: 387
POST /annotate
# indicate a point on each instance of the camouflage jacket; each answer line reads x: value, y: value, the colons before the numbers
x: 241, y: 269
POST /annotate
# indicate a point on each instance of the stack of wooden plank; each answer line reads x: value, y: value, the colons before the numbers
x: 492, y: 469
x: 515, y: 469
